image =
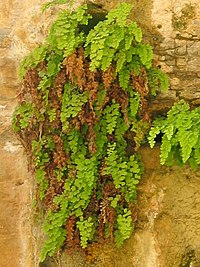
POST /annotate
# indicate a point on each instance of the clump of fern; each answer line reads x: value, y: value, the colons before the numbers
x: 83, y: 102
x: 180, y: 132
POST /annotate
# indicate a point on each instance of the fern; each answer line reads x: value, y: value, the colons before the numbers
x: 72, y: 103
x: 75, y: 143
x: 124, y: 77
x: 22, y: 116
x: 84, y: 103
x: 86, y: 230
x: 125, y: 173
x: 73, y: 200
x: 180, y: 133
x: 134, y: 104
x: 111, y: 39
x: 62, y: 40
x: 32, y: 60
x: 52, y: 114
x: 121, y: 128
x: 40, y: 175
x: 111, y: 114
x: 115, y: 167
x: 100, y: 130
x: 63, y: 34
x: 125, y: 227
x: 41, y: 158
x: 156, y: 79
x: 145, y: 53
x: 55, y: 231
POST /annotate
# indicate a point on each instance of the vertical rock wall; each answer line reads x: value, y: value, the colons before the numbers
x: 19, y: 32
x: 15, y: 197
x: 167, y: 233
x: 179, y: 25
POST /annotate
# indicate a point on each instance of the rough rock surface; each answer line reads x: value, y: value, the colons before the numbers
x: 15, y: 197
x: 17, y: 245
x: 167, y: 233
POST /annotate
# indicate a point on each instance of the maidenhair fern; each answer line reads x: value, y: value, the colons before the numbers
x: 82, y: 115
x: 180, y: 135
x: 125, y: 227
x: 86, y: 228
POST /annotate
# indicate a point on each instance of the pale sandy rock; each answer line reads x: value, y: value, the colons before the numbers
x: 189, y: 95
x: 180, y: 47
x: 174, y: 82
x: 169, y: 198
x: 162, y: 15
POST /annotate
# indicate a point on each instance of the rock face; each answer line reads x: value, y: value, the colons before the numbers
x: 17, y: 244
x: 15, y: 194
x: 167, y: 232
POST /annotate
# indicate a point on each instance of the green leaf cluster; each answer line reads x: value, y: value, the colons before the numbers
x: 125, y: 227
x: 56, y: 233
x: 72, y: 102
x: 125, y: 172
x: 180, y: 135
x: 22, y: 116
x: 156, y: 79
x: 111, y: 114
x: 64, y: 35
x: 41, y: 159
x: 86, y: 230
x: 119, y: 41
x: 74, y: 199
x: 112, y: 39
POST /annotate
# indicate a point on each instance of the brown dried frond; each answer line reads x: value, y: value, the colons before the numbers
x: 59, y: 159
x: 134, y: 212
x: 29, y: 88
x: 42, y: 66
x: 111, y: 218
x: 79, y: 71
x: 31, y: 79
x: 122, y: 98
x: 55, y: 188
x: 70, y: 64
x: 70, y: 228
x: 103, y: 210
x: 108, y: 76
x: 59, y: 83
x: 90, y: 75
x: 140, y: 85
x: 92, y: 137
x: 76, y: 238
x: 57, y: 139
x: 59, y: 156
x: 88, y: 116
x: 76, y: 123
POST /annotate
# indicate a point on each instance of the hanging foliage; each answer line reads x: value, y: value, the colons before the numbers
x: 180, y: 135
x: 84, y: 102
